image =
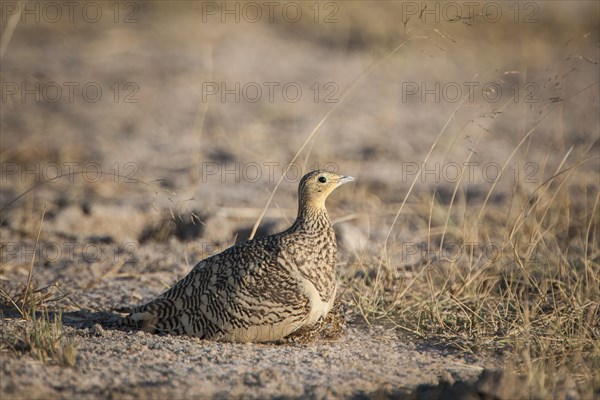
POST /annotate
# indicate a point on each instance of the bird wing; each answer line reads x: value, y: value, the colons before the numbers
x: 228, y: 295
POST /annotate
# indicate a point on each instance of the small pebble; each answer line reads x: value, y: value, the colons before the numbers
x: 97, y: 330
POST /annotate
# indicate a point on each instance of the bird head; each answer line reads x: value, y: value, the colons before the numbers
x: 316, y: 186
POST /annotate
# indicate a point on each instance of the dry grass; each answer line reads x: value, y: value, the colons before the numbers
x: 41, y: 333
x: 41, y: 336
x: 522, y: 279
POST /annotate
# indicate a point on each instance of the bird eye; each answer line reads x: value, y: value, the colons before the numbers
x: 322, y: 179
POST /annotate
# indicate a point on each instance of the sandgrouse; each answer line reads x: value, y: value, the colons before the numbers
x: 259, y: 290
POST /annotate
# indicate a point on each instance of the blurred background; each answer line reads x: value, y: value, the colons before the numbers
x: 179, y: 118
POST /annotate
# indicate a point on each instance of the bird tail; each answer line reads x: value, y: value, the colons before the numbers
x: 150, y: 317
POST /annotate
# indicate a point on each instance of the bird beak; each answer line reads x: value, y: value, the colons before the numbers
x: 345, y: 179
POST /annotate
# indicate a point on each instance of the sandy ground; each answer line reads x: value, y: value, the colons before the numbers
x: 115, y: 364
x: 170, y: 171
x: 354, y: 360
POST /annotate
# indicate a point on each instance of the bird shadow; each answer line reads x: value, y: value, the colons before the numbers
x: 329, y: 329
x: 79, y: 319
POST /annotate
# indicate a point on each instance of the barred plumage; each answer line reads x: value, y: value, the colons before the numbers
x: 262, y: 289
